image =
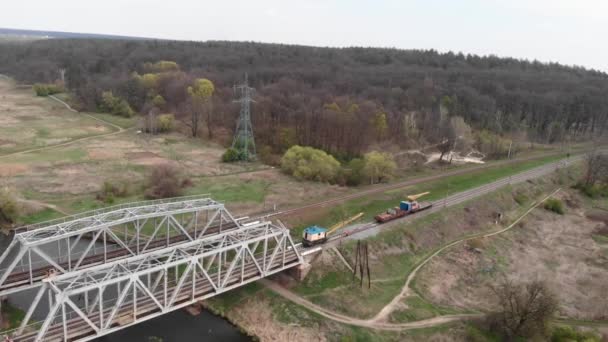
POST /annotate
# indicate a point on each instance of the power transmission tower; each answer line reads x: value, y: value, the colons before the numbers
x: 243, y: 136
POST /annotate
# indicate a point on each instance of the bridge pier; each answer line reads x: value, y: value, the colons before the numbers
x: 301, y: 271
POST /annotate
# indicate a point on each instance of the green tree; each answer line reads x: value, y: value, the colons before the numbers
x: 353, y: 108
x: 165, y: 122
x: 159, y: 102
x: 332, y: 106
x: 150, y: 82
x: 200, y: 94
x: 379, y: 167
x: 162, y: 66
x: 354, y: 171
x: 310, y: 164
x: 115, y: 105
x: 380, y: 125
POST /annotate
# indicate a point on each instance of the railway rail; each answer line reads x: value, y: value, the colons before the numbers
x: 139, y: 288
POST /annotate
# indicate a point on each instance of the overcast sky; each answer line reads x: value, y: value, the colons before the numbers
x: 565, y: 31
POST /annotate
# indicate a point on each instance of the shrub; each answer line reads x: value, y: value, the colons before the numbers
x: 9, y: 210
x: 47, y: 89
x: 520, y: 198
x: 268, y: 157
x: 593, y: 190
x: 554, y: 205
x: 40, y: 89
x: 231, y: 155
x: 476, y: 243
x: 310, y: 164
x: 164, y: 181
x: 569, y: 334
x: 165, y: 122
x: 109, y: 191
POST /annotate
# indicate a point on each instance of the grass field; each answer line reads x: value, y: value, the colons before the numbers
x: 28, y: 122
x: 69, y: 176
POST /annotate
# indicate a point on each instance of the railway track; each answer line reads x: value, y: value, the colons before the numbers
x: 18, y: 279
x: 397, y: 185
x: 79, y: 330
x: 461, y: 197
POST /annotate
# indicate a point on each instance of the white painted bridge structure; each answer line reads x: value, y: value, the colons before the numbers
x: 102, y: 271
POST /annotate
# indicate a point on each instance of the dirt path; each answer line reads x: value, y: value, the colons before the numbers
x: 86, y: 114
x: 405, y: 291
x: 283, y: 292
x: 379, y: 321
x: 118, y: 131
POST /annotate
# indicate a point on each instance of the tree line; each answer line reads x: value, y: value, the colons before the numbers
x: 341, y: 100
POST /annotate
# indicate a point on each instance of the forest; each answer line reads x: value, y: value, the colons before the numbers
x: 341, y: 100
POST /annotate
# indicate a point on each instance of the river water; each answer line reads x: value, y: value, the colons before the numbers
x: 178, y: 326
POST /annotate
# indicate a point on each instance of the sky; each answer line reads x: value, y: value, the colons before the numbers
x: 571, y: 32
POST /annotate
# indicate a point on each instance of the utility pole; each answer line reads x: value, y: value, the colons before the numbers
x: 243, y: 138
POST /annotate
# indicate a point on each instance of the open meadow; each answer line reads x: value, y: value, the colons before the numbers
x: 57, y: 161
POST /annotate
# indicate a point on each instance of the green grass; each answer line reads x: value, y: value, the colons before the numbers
x: 600, y: 239
x: 222, y: 303
x: 116, y: 120
x: 328, y: 281
x: 41, y: 216
x: 520, y: 198
x: 418, y: 309
x: 231, y: 190
x: 475, y: 334
x: 14, y: 315
x: 70, y: 155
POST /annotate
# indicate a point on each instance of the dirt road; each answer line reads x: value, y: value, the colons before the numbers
x: 278, y: 289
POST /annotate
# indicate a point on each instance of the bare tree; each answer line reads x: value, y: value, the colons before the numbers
x: 525, y: 309
x: 597, y: 168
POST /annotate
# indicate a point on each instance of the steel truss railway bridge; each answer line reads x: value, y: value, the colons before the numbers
x: 98, y: 272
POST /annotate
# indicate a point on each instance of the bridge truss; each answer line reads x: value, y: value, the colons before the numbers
x: 105, y: 298
x: 85, y: 240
